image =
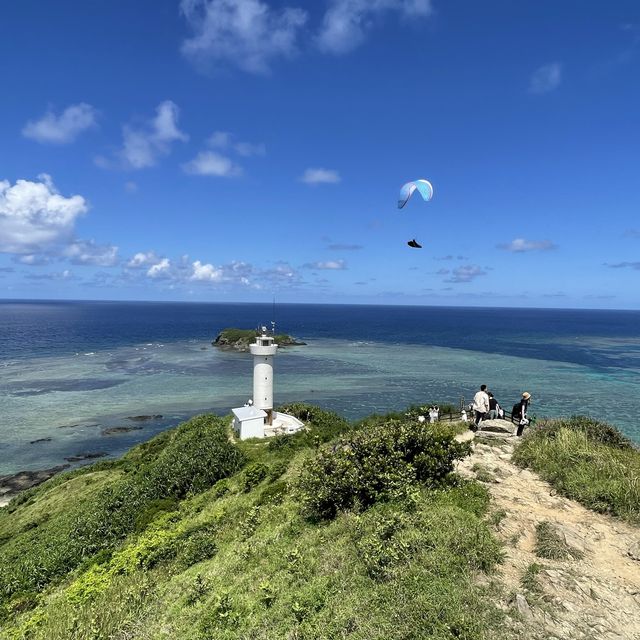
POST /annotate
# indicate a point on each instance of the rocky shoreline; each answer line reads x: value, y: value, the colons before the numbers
x: 11, y: 485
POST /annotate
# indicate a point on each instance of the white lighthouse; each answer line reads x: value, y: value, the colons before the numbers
x: 263, y: 351
x: 257, y: 419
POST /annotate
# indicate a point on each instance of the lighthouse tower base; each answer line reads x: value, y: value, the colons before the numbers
x: 249, y: 422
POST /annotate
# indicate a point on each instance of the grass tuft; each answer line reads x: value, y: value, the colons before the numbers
x: 586, y: 460
x: 551, y: 544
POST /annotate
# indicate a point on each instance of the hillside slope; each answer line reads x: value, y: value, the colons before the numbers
x: 357, y: 531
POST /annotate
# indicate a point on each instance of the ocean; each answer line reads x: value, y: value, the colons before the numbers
x: 73, y: 374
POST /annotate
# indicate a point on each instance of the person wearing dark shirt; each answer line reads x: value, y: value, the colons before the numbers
x: 519, y: 413
x: 494, y: 407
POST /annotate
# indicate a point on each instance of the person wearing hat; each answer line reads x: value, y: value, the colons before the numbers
x: 520, y: 412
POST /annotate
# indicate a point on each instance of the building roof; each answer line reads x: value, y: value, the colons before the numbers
x: 247, y: 413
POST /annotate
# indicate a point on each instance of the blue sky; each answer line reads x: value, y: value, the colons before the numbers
x: 214, y: 150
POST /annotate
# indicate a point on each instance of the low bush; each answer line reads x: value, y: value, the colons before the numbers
x: 197, y: 545
x: 377, y: 464
x: 322, y: 426
x: 273, y: 493
x: 595, y: 430
x: 585, y: 460
x: 254, y: 474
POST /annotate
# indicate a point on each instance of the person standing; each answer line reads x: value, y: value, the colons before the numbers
x: 520, y: 412
x: 494, y: 408
x: 480, y: 406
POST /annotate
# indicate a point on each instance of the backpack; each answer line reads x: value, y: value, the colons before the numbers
x: 515, y: 412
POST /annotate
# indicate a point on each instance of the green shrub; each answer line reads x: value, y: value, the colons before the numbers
x: 273, y: 493
x: 220, y: 488
x: 377, y: 464
x: 153, y: 510
x: 197, y: 545
x: 380, y: 549
x: 193, y: 457
x: 323, y: 426
x: 198, y: 590
x: 220, y: 615
x: 254, y: 474
x: 278, y: 470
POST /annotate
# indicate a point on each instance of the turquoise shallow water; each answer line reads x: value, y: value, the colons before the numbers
x: 72, y: 399
x: 71, y: 370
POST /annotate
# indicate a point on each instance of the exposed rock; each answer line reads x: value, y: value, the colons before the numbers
x: 16, y: 482
x: 89, y: 455
x: 78, y: 425
x: 113, y: 430
x: 145, y: 418
x: 523, y: 606
x: 634, y: 551
x: 498, y: 426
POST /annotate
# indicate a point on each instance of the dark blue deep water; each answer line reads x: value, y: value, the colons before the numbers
x: 56, y: 328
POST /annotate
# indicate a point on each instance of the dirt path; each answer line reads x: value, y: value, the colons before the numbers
x: 594, y: 597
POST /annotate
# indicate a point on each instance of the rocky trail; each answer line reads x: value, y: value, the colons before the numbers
x: 594, y: 593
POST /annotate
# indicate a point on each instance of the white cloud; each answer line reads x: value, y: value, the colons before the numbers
x: 159, y: 270
x: 220, y: 139
x: 144, y: 146
x: 205, y: 272
x: 89, y: 253
x: 143, y: 260
x: 328, y: 265
x: 546, y: 78
x: 130, y: 186
x: 346, y: 22
x: 226, y: 140
x: 32, y: 259
x: 320, y: 176
x: 520, y: 245
x: 64, y: 128
x: 466, y: 273
x: 244, y: 33
x: 34, y: 217
x: 248, y: 149
x: 210, y: 163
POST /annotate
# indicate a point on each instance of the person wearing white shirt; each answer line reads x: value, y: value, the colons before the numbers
x: 480, y: 406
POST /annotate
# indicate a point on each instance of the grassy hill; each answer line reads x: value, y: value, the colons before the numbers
x: 359, y: 531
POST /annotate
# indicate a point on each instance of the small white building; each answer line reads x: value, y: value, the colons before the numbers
x: 248, y: 422
x: 258, y: 419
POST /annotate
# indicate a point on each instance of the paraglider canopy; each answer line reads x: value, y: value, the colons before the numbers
x: 424, y: 187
